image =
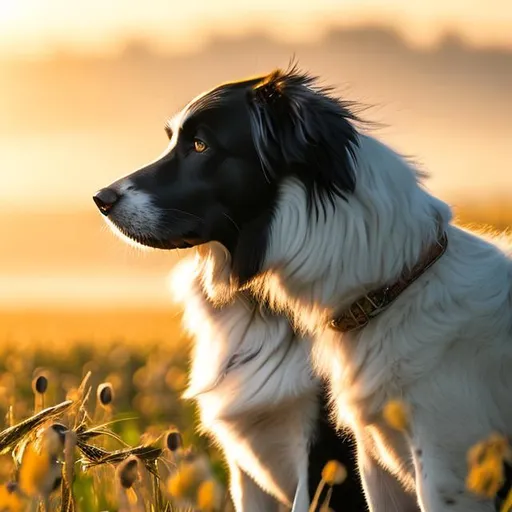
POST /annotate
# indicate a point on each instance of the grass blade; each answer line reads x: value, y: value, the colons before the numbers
x: 11, y: 436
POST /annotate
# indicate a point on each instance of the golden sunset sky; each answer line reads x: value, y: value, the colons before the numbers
x: 34, y: 26
x: 77, y: 111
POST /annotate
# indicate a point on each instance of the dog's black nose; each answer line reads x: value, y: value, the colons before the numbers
x: 105, y: 199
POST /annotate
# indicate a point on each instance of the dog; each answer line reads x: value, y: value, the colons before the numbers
x: 259, y: 401
x: 332, y: 228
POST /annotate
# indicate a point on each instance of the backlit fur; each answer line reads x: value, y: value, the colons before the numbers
x: 334, y: 213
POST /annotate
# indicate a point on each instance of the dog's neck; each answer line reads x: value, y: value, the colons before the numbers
x: 238, y: 344
x: 319, y: 265
x: 372, y: 304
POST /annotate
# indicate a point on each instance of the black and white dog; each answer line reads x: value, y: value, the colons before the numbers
x: 334, y: 229
x: 258, y: 399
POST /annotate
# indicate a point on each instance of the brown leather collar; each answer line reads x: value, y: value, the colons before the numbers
x: 360, y: 312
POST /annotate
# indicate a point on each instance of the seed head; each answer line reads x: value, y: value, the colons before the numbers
x: 173, y: 440
x: 105, y: 394
x: 334, y: 473
x: 60, y: 430
x: 128, y: 472
x: 40, y: 384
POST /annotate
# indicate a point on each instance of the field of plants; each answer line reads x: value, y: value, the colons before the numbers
x: 125, y: 393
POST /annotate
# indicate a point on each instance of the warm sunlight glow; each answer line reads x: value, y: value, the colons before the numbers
x: 11, y: 10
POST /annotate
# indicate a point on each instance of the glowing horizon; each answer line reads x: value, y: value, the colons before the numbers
x: 37, y: 26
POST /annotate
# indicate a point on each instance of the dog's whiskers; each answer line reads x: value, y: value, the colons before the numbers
x: 177, y: 210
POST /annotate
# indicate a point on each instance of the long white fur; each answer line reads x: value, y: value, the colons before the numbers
x: 252, y: 379
x: 444, y: 347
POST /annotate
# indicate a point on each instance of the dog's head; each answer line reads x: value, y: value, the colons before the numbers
x: 229, y: 150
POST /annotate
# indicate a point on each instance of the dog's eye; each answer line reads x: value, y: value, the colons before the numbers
x: 200, y: 146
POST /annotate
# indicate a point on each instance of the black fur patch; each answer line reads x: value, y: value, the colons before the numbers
x: 268, y: 91
x: 251, y: 247
x: 301, y: 129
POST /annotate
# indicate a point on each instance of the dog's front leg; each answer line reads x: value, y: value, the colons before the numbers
x: 247, y: 496
x: 440, y: 477
x: 383, y: 491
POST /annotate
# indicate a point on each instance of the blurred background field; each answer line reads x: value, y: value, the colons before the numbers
x: 84, y: 95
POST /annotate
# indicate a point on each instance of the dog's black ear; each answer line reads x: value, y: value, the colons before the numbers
x: 299, y: 128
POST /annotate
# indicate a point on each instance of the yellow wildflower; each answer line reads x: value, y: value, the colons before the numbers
x: 208, y: 496
x: 495, y: 445
x: 396, y: 415
x: 486, y: 479
x: 10, y: 500
x: 334, y: 473
x: 485, y: 462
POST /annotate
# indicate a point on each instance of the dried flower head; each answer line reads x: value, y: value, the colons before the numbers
x: 396, y: 415
x: 173, y: 440
x: 334, y: 473
x: 128, y: 472
x: 105, y: 394
x: 40, y: 384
